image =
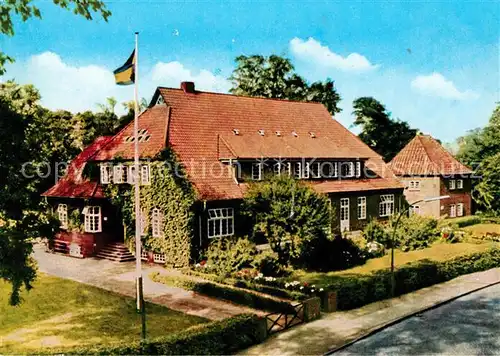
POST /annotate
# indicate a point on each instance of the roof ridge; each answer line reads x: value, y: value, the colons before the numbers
x: 245, y: 96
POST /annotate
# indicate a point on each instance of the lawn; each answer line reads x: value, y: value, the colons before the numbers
x: 437, y: 252
x: 59, y: 312
x: 483, y: 229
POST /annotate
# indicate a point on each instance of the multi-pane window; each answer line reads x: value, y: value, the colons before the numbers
x: 358, y: 169
x: 453, y: 210
x: 62, y: 212
x: 329, y: 169
x: 386, y: 205
x: 361, y: 208
x: 278, y: 168
x: 316, y: 170
x: 452, y: 184
x: 347, y: 169
x: 307, y: 169
x: 93, y: 219
x: 415, y: 209
x: 131, y: 174
x: 460, y: 184
x: 414, y: 185
x: 298, y: 170
x: 118, y: 173
x: 256, y: 171
x: 145, y: 174
x: 460, y: 209
x: 106, y: 174
x: 156, y: 223
x: 220, y: 222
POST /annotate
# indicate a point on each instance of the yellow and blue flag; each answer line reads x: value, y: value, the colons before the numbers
x: 125, y: 75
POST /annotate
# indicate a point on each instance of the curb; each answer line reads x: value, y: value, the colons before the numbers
x: 407, y: 316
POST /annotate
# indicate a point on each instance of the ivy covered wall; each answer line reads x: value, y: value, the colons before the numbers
x: 171, y: 193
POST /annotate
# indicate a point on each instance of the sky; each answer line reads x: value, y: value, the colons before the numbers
x: 434, y: 64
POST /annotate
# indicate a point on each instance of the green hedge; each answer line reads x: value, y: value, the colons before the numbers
x: 220, y: 291
x: 359, y: 290
x: 217, y: 338
x: 463, y: 221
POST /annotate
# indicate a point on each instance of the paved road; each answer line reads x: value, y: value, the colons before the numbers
x: 467, y: 326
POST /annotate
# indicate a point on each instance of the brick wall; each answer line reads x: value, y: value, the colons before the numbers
x: 456, y: 196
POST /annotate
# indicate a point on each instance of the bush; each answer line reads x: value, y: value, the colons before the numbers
x: 217, y: 338
x: 375, y: 231
x: 463, y: 221
x: 357, y: 290
x: 226, y: 256
x: 267, y: 263
x: 416, y: 232
x: 220, y: 291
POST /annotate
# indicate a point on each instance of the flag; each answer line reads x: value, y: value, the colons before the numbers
x: 125, y: 75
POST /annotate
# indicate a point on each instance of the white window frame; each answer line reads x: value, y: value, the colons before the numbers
x: 386, y: 205
x: 452, y: 184
x: 361, y: 208
x: 278, y: 168
x: 316, y: 172
x: 145, y: 174
x: 415, y: 209
x: 257, y: 171
x: 156, y: 223
x: 106, y: 174
x: 460, y: 184
x: 453, y: 211
x: 358, y: 169
x: 159, y: 258
x: 297, y: 171
x: 131, y: 174
x: 350, y: 169
x: 118, y: 173
x: 460, y: 209
x: 307, y: 170
x: 414, y: 185
x: 289, y: 168
x: 221, y: 217
x: 62, y: 212
x: 93, y: 218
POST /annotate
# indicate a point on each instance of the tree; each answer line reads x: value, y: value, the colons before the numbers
x: 274, y: 77
x: 487, y: 190
x: 26, y: 10
x: 384, y: 135
x: 290, y: 215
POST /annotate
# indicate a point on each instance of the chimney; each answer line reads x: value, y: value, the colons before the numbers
x: 188, y: 87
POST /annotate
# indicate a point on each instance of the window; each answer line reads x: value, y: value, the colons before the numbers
x: 156, y: 223
x: 93, y: 219
x: 159, y: 258
x: 131, y: 174
x: 347, y: 169
x: 316, y: 170
x: 118, y: 173
x: 460, y: 184
x: 62, y: 212
x: 105, y: 174
x: 358, y: 169
x: 307, y: 169
x: 288, y: 168
x: 453, y: 210
x: 414, y: 185
x: 256, y: 171
x: 415, y: 209
x: 298, y: 170
x: 278, y: 168
x: 160, y: 100
x: 145, y: 174
x: 361, y: 208
x: 220, y: 222
x: 460, y: 209
x: 144, y: 223
x: 386, y: 206
x: 452, y: 184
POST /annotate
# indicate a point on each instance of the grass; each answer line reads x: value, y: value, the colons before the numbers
x: 483, y: 229
x: 59, y: 312
x: 437, y: 252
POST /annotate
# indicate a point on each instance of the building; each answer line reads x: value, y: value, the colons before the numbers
x: 223, y: 142
x: 426, y: 170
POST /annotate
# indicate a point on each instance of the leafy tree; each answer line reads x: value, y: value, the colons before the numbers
x: 487, y: 190
x: 26, y: 10
x: 274, y: 77
x: 290, y: 215
x: 384, y: 135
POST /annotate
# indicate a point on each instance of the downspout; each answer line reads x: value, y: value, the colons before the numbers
x: 199, y: 221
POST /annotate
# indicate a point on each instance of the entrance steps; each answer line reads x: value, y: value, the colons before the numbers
x: 117, y: 252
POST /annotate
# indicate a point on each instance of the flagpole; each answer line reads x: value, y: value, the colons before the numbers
x: 138, y: 267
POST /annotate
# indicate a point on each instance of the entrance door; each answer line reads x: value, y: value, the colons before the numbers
x: 344, y: 214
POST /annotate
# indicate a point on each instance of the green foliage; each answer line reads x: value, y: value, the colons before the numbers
x: 267, y: 262
x: 383, y: 134
x: 274, y: 77
x: 462, y: 221
x: 416, y: 232
x: 226, y: 256
x: 25, y: 11
x: 354, y: 291
x: 225, y: 292
x: 291, y: 216
x: 217, y: 338
x: 487, y: 191
x: 376, y: 231
x: 174, y: 196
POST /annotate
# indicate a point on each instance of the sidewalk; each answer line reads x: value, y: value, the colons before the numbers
x: 120, y: 278
x: 336, y: 329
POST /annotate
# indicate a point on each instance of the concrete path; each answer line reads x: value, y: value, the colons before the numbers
x: 336, y: 329
x: 120, y: 278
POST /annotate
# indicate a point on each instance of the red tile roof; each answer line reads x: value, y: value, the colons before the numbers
x: 199, y: 127
x: 73, y: 184
x: 425, y: 156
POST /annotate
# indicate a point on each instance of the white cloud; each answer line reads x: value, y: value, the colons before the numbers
x: 435, y: 84
x: 78, y: 88
x: 312, y: 51
x: 172, y: 73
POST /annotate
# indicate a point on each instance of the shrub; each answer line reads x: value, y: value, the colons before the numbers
x: 463, y: 221
x: 416, y: 232
x: 217, y: 338
x: 267, y: 263
x: 226, y: 256
x: 376, y: 231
